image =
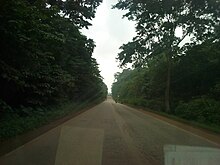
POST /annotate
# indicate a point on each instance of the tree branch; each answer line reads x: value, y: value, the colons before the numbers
x: 182, y: 38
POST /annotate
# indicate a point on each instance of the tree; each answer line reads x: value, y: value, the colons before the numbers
x: 200, y: 71
x: 157, y: 23
x: 44, y: 57
x: 129, y: 84
x: 78, y: 11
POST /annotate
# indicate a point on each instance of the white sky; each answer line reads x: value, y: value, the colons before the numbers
x: 109, y: 31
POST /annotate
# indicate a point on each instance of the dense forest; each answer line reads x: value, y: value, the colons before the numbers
x: 175, y: 57
x: 44, y: 58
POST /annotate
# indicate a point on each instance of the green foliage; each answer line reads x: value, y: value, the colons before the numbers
x: 46, y: 68
x: 199, y: 69
x: 79, y: 11
x: 44, y: 58
x: 156, y: 25
x: 157, y: 22
x: 215, y: 91
x: 13, y: 124
x: 201, y: 110
x: 194, y: 81
x: 4, y: 108
x: 129, y: 83
x: 139, y: 87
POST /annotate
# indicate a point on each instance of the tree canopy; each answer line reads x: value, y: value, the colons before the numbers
x: 157, y: 26
x: 45, y: 59
x: 195, y: 85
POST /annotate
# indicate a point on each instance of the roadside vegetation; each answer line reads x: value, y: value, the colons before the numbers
x: 194, y: 86
x: 171, y: 74
x: 46, y: 64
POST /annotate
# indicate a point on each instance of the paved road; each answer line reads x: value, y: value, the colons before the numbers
x: 108, y: 134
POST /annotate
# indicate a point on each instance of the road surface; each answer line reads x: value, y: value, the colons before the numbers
x: 108, y: 134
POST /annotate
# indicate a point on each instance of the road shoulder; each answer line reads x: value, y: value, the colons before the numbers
x: 208, y: 135
x: 15, y: 142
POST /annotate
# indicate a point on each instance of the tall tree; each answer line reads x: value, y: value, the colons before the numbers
x: 44, y: 58
x: 78, y: 11
x: 157, y: 24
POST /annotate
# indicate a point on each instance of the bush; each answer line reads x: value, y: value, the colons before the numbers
x: 156, y: 105
x: 24, y: 119
x: 215, y: 91
x: 4, y: 108
x: 202, y: 110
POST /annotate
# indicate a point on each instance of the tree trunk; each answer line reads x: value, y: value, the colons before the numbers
x: 167, y: 90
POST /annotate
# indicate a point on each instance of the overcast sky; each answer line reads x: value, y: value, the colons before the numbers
x: 109, y: 31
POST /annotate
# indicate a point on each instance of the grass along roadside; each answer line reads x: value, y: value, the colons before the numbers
x: 40, y: 125
x: 16, y: 130
x: 13, y: 125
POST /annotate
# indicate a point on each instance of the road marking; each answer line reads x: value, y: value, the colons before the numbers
x: 80, y: 146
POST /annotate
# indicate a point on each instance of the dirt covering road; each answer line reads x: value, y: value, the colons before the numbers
x: 108, y: 134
